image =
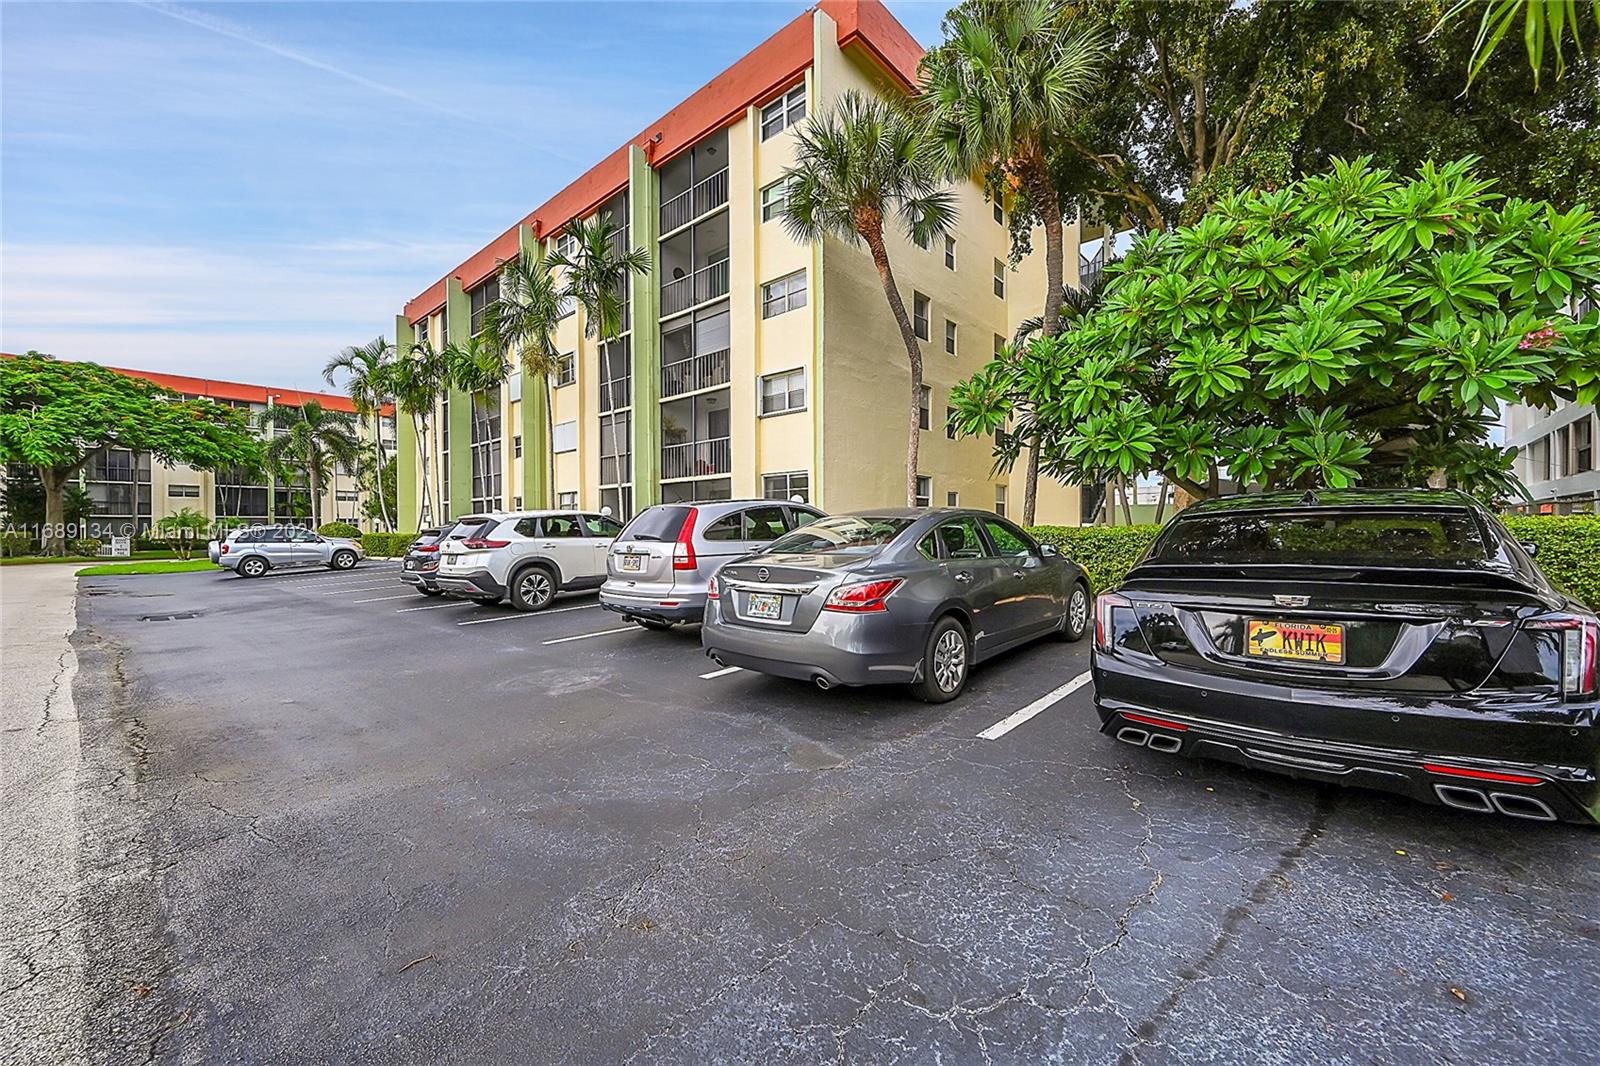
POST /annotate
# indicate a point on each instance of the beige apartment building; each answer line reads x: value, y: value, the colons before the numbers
x: 751, y: 365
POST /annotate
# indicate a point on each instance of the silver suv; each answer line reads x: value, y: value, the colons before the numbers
x: 252, y: 552
x: 525, y: 557
x: 659, y: 567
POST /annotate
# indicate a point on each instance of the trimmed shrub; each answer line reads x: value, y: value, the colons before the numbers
x: 387, y: 544
x: 1569, y: 550
x: 339, y: 529
x: 1106, y: 552
x: 17, y: 544
x: 85, y: 546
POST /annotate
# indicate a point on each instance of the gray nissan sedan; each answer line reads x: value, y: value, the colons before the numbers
x: 912, y: 596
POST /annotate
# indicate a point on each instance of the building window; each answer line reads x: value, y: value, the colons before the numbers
x: 999, y: 345
x: 516, y: 503
x: 952, y: 499
x: 999, y: 213
x: 921, y: 241
x: 567, y: 307
x: 783, y: 392
x: 924, y: 490
x: 566, y: 436
x: 516, y: 445
x: 950, y: 253
x: 787, y: 293
x: 787, y: 486
x: 1000, y: 279
x: 346, y: 497
x: 422, y: 330
x: 1583, y: 445
x: 567, y: 499
x: 783, y: 112
x: 1000, y: 500
x: 920, y: 310
x: 481, y: 298
x: 924, y: 402
x: 950, y: 423
x: 949, y: 336
x: 485, y: 448
x: 566, y: 244
x: 566, y: 368
x: 187, y: 492
x: 774, y: 200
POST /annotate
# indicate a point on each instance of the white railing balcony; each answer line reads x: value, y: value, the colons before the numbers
x: 696, y: 458
x: 694, y: 373
x: 703, y: 197
x: 691, y: 290
x: 616, y: 393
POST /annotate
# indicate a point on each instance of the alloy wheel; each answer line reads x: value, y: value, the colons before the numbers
x: 949, y: 660
x: 534, y: 588
x: 1078, y: 610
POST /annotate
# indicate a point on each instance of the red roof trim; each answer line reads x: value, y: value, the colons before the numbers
x: 769, y: 68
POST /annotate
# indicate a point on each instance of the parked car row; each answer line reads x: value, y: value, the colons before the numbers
x: 251, y: 552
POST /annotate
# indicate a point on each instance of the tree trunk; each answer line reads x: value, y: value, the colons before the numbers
x: 1030, y: 486
x: 314, y: 478
x: 1049, y: 205
x: 550, y: 440
x: 1161, y: 501
x: 872, y: 233
x: 53, y: 537
x: 424, y: 508
x: 383, y: 506
x: 1127, y: 509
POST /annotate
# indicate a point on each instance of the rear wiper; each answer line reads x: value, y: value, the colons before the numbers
x: 644, y: 536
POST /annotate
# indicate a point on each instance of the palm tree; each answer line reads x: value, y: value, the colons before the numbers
x: 596, y: 274
x: 314, y: 439
x: 524, y: 318
x: 415, y: 381
x: 364, y: 369
x: 1003, y: 88
x: 857, y: 167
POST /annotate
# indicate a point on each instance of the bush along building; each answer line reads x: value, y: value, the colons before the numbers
x: 748, y: 364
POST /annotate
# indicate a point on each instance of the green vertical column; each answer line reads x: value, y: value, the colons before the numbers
x: 537, y: 488
x: 644, y: 220
x: 458, y: 328
x: 407, y: 479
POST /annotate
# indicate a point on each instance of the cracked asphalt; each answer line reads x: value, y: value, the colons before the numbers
x: 321, y: 824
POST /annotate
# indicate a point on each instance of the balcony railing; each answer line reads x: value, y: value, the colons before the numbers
x: 615, y: 394
x: 703, y: 196
x: 707, y: 283
x: 694, y: 373
x: 696, y: 458
x: 1090, y: 268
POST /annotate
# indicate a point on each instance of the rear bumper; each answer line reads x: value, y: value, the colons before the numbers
x: 690, y: 607
x: 471, y: 583
x: 842, y: 649
x: 1404, y: 747
x: 426, y: 579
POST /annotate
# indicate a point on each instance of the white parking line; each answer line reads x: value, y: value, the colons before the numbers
x: 344, y: 590
x: 724, y: 672
x: 528, y: 614
x: 1054, y: 696
x: 601, y: 633
x: 382, y: 599
x: 434, y: 607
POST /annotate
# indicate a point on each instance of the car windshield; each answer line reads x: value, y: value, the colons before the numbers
x: 656, y: 523
x: 1392, y: 537
x: 840, y: 533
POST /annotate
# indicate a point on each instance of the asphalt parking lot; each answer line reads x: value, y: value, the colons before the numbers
x: 329, y: 819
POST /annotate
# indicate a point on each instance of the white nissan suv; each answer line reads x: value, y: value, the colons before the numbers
x: 526, y: 557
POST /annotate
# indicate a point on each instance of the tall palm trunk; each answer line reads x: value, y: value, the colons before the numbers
x: 424, y: 470
x: 1044, y: 194
x: 377, y: 437
x: 550, y: 440
x: 314, y: 479
x: 871, y: 231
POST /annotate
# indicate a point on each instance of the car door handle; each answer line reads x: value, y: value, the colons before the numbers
x: 963, y: 575
x: 548, y: 544
x: 1018, y: 574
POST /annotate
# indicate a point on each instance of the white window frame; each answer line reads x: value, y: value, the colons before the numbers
x: 1000, y: 501
x: 925, y: 408
x: 924, y: 496
x: 516, y: 445
x: 567, y: 430
x: 181, y: 492
x: 788, y: 408
x: 789, y: 492
x: 783, y: 112
x: 999, y: 343
x: 782, y: 295
x: 949, y: 423
x: 566, y: 369
x: 565, y: 500
x: 949, y: 253
x: 774, y: 200
x: 1000, y: 279
x: 921, y: 315
x: 950, y: 337
x: 952, y: 499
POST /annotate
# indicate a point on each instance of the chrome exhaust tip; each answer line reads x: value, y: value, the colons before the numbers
x: 1167, y: 745
x: 1129, y: 735
x: 823, y: 683
x: 1463, y: 798
x: 1516, y: 805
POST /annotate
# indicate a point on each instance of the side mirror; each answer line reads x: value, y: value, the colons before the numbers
x: 1049, y: 551
x: 1531, y: 548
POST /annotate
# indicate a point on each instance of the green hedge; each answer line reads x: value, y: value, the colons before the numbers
x: 387, y: 544
x: 1569, y: 549
x: 17, y: 544
x: 1106, y: 552
x: 340, y: 529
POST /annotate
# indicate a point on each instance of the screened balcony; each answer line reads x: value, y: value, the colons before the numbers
x: 695, y: 352
x: 695, y: 437
x: 695, y: 183
x: 694, y: 266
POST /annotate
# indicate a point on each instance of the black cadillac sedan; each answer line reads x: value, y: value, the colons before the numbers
x: 1396, y: 640
x: 914, y: 596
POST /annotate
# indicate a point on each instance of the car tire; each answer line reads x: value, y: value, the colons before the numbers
x: 1075, y: 622
x: 254, y: 566
x: 946, y: 662
x: 342, y: 560
x: 532, y: 589
x: 655, y: 624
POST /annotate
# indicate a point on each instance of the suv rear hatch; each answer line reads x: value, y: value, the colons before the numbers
x: 642, y: 556
x: 455, y: 555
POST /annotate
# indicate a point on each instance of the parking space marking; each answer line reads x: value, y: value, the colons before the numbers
x: 601, y: 633
x: 345, y: 589
x: 1049, y: 699
x: 382, y: 599
x: 433, y: 607
x: 724, y: 672
x: 528, y: 614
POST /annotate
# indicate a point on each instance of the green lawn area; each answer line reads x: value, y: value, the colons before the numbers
x: 38, y: 560
x: 154, y: 566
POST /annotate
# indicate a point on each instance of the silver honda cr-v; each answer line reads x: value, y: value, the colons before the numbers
x: 659, y: 566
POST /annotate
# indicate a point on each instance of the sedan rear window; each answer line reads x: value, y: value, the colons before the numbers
x: 656, y: 523
x: 468, y: 528
x: 840, y: 533
x: 1389, y: 537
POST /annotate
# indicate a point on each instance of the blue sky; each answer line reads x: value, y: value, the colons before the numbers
x: 237, y: 190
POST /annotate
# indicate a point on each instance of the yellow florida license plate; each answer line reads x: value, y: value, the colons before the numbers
x: 763, y: 605
x: 1311, y: 642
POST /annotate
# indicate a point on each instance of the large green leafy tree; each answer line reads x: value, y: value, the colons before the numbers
x: 999, y: 91
x: 310, y: 439
x: 859, y: 167
x: 1350, y: 328
x: 54, y: 415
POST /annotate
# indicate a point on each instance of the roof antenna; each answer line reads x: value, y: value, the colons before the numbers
x: 1309, y: 499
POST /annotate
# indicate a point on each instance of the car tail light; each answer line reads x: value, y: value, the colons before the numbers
x: 1146, y: 719
x: 424, y: 547
x: 683, y: 551
x: 1104, y: 628
x: 480, y: 542
x: 224, y: 549
x: 1580, y: 648
x: 863, y: 597
x: 711, y: 591
x: 1481, y: 775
